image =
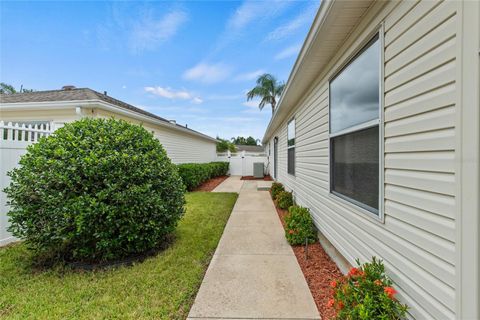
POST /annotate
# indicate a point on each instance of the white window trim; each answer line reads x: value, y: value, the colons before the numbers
x: 275, y: 158
x: 290, y: 147
x: 357, y: 206
x: 355, y: 128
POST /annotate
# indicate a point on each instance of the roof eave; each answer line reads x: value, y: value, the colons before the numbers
x: 108, y: 106
x: 313, y: 43
x: 325, y: 6
x: 102, y: 105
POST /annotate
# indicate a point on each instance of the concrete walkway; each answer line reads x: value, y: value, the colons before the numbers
x: 232, y: 184
x: 254, y: 273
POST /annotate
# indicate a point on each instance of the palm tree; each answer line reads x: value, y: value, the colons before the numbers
x: 268, y: 89
x: 6, y: 88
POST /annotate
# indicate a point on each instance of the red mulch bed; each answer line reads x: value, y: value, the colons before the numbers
x: 211, y: 184
x: 319, y: 271
x: 265, y: 178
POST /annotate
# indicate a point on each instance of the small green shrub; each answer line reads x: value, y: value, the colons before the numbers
x: 194, y: 174
x: 299, y: 226
x: 95, y: 189
x: 366, y: 293
x: 276, y: 188
x: 284, y: 200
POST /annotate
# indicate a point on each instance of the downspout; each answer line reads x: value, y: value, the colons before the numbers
x: 78, y: 111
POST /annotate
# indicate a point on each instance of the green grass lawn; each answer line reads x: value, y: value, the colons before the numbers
x: 162, y: 287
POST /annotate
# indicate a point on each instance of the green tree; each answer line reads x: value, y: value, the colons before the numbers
x: 268, y: 89
x: 225, y: 145
x: 6, y: 88
x: 239, y: 140
x: 249, y: 141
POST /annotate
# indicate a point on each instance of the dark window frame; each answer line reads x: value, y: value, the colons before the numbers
x: 377, y: 214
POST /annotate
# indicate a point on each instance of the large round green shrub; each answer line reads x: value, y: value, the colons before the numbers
x: 95, y: 190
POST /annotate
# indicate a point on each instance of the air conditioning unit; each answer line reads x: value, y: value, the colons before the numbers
x: 258, y: 169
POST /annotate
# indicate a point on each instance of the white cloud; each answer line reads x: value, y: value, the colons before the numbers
x: 251, y: 103
x: 225, y: 96
x: 197, y: 100
x: 249, y: 14
x: 208, y: 73
x: 255, y: 111
x: 288, y: 52
x: 304, y: 18
x: 252, y: 11
x: 148, y: 32
x: 169, y: 93
x: 244, y: 14
x: 250, y: 75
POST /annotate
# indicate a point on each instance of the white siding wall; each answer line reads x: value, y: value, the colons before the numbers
x: 417, y: 238
x: 57, y: 117
x: 181, y: 147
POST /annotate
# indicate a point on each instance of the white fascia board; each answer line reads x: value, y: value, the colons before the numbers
x: 19, y: 106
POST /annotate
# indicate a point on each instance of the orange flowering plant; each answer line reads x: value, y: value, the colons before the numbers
x: 366, y: 293
x: 299, y: 227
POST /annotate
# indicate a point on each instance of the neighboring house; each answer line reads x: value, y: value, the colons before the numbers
x: 377, y: 133
x: 69, y: 104
x: 252, y: 149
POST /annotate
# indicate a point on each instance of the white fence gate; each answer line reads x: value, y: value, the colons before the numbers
x: 14, y: 139
x: 241, y: 164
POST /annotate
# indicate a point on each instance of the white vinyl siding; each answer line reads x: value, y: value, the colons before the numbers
x: 181, y: 147
x: 185, y: 148
x: 417, y: 238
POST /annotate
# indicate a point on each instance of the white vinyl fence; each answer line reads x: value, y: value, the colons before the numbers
x: 241, y: 163
x: 14, y: 139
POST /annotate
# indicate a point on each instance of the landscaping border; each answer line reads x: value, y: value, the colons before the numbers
x: 265, y: 178
x: 211, y: 184
x: 319, y: 271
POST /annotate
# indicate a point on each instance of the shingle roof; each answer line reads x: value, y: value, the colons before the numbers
x: 80, y: 94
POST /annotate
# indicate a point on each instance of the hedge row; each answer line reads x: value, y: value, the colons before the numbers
x: 194, y: 174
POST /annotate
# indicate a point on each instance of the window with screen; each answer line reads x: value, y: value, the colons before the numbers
x: 291, y: 147
x: 354, y: 129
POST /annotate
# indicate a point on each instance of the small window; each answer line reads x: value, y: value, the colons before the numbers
x: 291, y: 147
x: 354, y: 129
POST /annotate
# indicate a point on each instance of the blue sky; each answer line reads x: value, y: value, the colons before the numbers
x: 188, y: 61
